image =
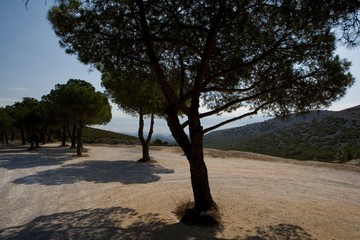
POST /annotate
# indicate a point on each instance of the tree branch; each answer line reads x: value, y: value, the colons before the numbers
x: 229, y: 104
x: 243, y: 66
x: 228, y: 90
x: 170, y: 95
x: 255, y: 111
x: 207, y: 52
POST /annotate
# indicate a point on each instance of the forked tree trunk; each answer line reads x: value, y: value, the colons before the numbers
x: 192, y: 149
x: 199, y: 176
x: 145, y: 143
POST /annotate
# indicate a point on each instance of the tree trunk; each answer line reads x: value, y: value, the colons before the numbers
x: 73, y: 136
x: 12, y: 134
x: 145, y: 143
x: 79, y: 140
x: 63, y: 138
x: 198, y: 169
x: 43, y: 133
x: 48, y: 136
x: 23, y: 141
x: 6, y: 138
x: 199, y: 177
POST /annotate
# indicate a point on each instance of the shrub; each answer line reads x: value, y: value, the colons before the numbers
x: 346, y: 153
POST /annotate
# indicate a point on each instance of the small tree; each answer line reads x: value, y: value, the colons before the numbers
x: 83, y: 106
x: 30, y: 117
x: 139, y: 98
x: 60, y: 118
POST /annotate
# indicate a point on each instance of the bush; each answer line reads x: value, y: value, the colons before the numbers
x: 346, y: 153
x: 158, y: 142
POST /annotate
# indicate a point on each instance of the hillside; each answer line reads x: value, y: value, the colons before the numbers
x: 317, y: 135
x: 94, y: 135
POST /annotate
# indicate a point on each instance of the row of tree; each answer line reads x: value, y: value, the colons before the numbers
x: 65, y: 110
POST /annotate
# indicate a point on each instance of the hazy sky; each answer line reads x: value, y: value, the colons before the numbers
x: 32, y: 63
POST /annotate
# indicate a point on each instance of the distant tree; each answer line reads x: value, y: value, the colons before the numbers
x: 139, y: 98
x: 83, y: 105
x: 159, y: 141
x: 60, y: 117
x: 29, y: 118
x: 6, y: 125
x: 272, y: 56
x: 17, y: 112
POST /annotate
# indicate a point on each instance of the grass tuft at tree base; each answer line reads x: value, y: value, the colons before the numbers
x: 188, y: 215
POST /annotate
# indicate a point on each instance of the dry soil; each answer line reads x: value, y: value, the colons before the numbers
x: 107, y: 194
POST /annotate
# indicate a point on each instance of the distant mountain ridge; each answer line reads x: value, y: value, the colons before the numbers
x: 316, y: 135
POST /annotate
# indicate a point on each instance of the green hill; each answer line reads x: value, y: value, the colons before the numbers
x: 94, y: 135
x: 318, y: 135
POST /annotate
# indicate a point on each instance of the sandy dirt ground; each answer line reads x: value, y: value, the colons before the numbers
x: 51, y: 194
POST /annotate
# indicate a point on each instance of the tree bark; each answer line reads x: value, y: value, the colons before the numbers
x: 198, y: 169
x: 199, y: 178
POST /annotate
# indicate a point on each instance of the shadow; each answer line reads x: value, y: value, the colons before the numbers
x: 97, y: 171
x: 180, y: 231
x: 19, y: 157
x: 280, y: 232
x: 126, y: 223
x: 110, y: 223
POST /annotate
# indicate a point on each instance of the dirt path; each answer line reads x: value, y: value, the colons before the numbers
x: 49, y: 194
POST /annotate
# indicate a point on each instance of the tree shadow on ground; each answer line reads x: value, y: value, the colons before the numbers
x: 19, y: 157
x: 280, y: 232
x: 110, y: 223
x: 126, y: 223
x: 98, y: 171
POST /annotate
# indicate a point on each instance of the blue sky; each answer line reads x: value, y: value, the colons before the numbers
x: 32, y: 63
